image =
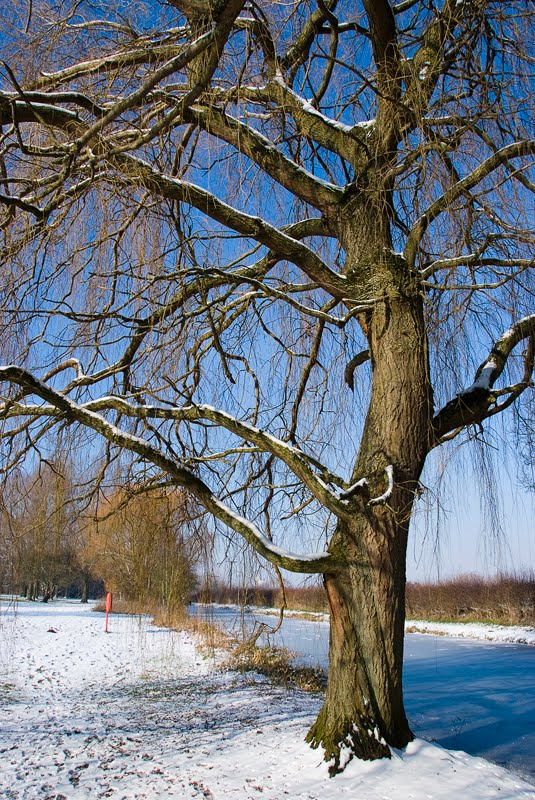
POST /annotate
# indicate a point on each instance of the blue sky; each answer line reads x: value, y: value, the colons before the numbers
x: 469, y: 539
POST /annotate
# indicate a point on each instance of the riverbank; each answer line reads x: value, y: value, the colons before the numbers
x: 142, y: 713
x: 512, y: 634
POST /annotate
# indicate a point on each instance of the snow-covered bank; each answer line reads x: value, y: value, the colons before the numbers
x: 513, y: 634
x: 140, y: 713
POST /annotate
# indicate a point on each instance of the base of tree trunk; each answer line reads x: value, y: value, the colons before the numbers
x: 359, y: 738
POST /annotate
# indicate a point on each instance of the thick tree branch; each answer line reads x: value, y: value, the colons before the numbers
x: 143, y: 174
x: 318, y: 193
x: 298, y: 51
x: 350, y: 142
x: 356, y: 361
x: 18, y: 111
x: 426, y: 66
x: 149, y: 53
x: 56, y: 98
x: 478, y: 402
x: 517, y: 265
x: 386, y: 55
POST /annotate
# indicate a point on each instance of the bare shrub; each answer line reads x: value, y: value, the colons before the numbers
x: 504, y: 599
x: 141, y: 545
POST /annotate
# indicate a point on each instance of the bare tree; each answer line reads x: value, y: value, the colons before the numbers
x: 139, y: 545
x: 275, y: 253
x: 39, y: 527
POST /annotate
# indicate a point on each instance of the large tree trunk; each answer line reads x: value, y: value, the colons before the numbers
x: 363, y: 712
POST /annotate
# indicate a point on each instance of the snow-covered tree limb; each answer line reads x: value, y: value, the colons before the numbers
x: 292, y: 456
x: 478, y: 401
x: 351, y: 142
x: 259, y: 149
x: 254, y: 227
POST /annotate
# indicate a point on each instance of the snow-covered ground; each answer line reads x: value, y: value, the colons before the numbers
x: 142, y: 713
x: 473, y: 694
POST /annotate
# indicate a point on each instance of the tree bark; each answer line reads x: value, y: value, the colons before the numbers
x: 363, y: 713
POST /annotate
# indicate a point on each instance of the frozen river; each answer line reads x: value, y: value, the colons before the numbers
x: 469, y: 695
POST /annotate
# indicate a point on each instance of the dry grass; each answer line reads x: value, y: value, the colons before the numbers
x: 309, y: 598
x: 122, y: 607
x: 505, y: 600
x: 212, y: 636
x: 245, y: 655
x: 276, y: 664
x: 176, y: 617
x: 273, y: 662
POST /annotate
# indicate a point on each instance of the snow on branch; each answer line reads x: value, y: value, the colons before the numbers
x: 356, y: 488
x: 285, y: 246
x: 305, y: 562
x: 518, y: 265
x: 141, y: 55
x: 173, y: 65
x: 305, y: 467
x: 375, y: 501
x: 361, y: 487
x: 349, y: 141
x: 261, y: 150
x: 491, y: 369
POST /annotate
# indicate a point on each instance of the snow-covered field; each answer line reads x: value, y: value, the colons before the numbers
x: 142, y: 713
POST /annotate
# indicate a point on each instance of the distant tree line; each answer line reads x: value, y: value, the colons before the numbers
x: 143, y: 547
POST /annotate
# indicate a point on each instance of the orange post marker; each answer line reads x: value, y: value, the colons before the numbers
x: 109, y: 599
